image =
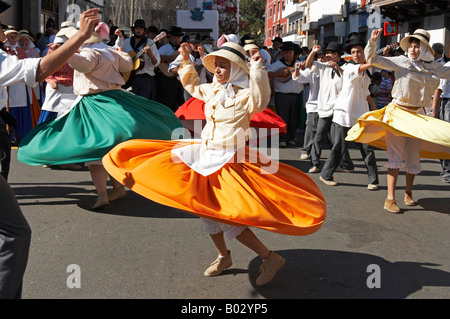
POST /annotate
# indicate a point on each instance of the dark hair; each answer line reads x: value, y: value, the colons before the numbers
x: 376, y: 76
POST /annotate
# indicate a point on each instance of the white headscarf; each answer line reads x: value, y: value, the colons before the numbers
x: 238, y: 77
x: 425, y: 55
x: 100, y: 47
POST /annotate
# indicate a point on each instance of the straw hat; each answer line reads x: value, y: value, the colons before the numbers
x: 25, y: 33
x: 12, y: 29
x: 250, y: 44
x: 230, y: 51
x: 66, y: 26
x: 421, y: 35
x: 71, y: 31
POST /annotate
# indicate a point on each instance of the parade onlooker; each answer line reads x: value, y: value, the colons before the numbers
x: 441, y: 109
x: 383, y: 94
x: 287, y: 93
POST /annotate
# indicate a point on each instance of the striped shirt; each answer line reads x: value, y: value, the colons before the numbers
x: 385, y: 85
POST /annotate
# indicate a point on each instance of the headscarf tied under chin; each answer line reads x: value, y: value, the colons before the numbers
x: 238, y: 77
x: 425, y: 55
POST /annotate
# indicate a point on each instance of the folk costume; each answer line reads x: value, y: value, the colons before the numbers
x: 105, y: 116
x: 404, y: 118
x: 350, y: 104
x: 19, y: 102
x: 402, y: 126
x: 219, y: 178
x: 59, y: 96
x: 144, y: 84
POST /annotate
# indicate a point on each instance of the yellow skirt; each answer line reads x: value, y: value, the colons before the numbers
x: 372, y: 126
x: 286, y: 202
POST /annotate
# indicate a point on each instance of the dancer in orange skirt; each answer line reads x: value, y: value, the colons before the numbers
x: 228, y: 184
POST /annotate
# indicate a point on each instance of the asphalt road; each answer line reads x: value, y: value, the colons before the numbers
x: 137, y: 249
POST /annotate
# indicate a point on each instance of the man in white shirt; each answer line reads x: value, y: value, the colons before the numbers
x: 304, y: 75
x: 441, y: 109
x: 15, y: 231
x: 287, y: 93
x: 196, y: 56
x: 171, y: 91
x: 143, y: 83
x: 330, y: 78
x: 352, y: 102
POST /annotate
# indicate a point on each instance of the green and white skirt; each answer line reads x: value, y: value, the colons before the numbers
x: 94, y: 126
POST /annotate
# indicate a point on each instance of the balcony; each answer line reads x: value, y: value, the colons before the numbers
x: 292, y: 8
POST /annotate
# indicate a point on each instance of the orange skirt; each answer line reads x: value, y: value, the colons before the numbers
x: 240, y: 193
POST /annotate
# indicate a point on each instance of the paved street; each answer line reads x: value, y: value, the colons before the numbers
x: 138, y: 249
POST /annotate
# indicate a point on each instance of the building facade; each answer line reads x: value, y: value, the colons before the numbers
x: 275, y: 24
x: 332, y: 20
x: 37, y: 15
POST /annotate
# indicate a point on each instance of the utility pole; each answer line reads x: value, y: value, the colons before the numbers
x: 132, y: 13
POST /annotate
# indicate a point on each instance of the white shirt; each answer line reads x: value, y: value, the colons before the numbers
x: 306, y: 76
x: 351, y: 102
x: 286, y: 87
x: 149, y: 68
x: 13, y: 74
x: 329, y: 88
x: 196, y: 61
x: 444, y: 86
x: 13, y: 70
x: 166, y: 49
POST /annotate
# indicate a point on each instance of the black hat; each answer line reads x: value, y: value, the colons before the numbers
x: 139, y: 23
x: 4, y: 26
x: 153, y: 29
x: 288, y: 46
x: 185, y: 38
x: 4, y: 6
x: 176, y: 31
x: 354, y: 41
x: 335, y: 47
x: 352, y: 35
x: 277, y: 39
x: 195, y: 39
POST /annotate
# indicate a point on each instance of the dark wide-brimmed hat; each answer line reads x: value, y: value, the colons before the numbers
x: 153, y: 29
x: 335, y: 47
x: 288, y: 46
x: 277, y: 39
x: 196, y: 38
x: 4, y: 6
x: 176, y: 31
x: 139, y: 23
x: 354, y: 41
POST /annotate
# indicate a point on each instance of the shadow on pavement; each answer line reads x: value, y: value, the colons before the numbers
x: 326, y: 274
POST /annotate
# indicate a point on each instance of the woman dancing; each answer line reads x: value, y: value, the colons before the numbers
x: 104, y: 117
x: 219, y: 178
x: 402, y: 126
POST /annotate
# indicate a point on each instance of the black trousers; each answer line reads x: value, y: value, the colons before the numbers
x: 144, y: 85
x: 15, y: 239
x: 171, y: 92
x: 5, y: 151
x: 339, y: 151
x: 288, y: 106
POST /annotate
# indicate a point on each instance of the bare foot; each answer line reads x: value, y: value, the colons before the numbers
x: 116, y: 193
